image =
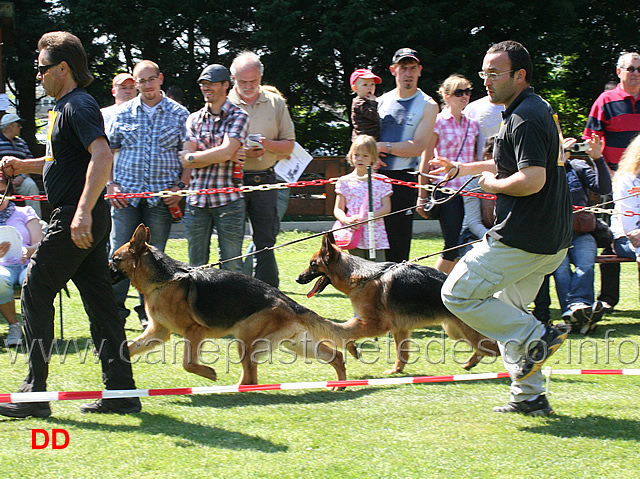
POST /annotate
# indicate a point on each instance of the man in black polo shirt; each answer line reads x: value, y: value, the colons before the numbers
x: 492, y: 286
x: 75, y: 170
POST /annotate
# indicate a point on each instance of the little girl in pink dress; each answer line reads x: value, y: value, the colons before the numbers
x: 352, y: 197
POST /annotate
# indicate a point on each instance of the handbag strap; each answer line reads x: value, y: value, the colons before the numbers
x: 466, y: 133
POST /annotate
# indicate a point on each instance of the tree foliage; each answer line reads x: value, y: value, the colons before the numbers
x: 310, y: 48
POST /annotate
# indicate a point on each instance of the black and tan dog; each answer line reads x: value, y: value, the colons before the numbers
x: 390, y: 297
x: 211, y: 303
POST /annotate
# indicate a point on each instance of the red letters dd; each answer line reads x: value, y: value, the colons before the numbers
x: 55, y: 433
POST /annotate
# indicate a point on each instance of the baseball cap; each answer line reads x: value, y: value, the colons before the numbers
x: 10, y: 118
x: 215, y: 73
x: 405, y: 53
x: 120, y: 78
x: 363, y: 73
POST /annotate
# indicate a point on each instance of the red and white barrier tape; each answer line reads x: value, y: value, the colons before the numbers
x: 126, y: 393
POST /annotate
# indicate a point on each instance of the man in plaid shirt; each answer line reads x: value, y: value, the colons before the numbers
x: 148, y: 130
x: 215, y: 138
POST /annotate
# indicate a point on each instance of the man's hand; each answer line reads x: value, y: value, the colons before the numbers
x: 171, y: 200
x: 634, y: 238
x: 81, y: 229
x: 443, y: 166
x: 114, y: 189
x: 11, y: 166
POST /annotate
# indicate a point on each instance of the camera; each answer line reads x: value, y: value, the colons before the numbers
x: 579, y: 147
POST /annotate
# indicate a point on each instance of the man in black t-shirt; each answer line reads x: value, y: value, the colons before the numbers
x: 75, y: 170
x: 492, y: 286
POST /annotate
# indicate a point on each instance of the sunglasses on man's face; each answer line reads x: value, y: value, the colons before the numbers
x: 461, y: 92
x: 632, y: 69
x: 42, y: 69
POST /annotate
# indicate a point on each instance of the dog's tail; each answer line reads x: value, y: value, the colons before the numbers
x: 329, y: 331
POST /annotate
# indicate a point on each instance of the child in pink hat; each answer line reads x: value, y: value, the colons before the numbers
x: 364, y: 108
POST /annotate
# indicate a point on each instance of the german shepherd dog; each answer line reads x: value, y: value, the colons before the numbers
x: 202, y: 303
x: 395, y: 297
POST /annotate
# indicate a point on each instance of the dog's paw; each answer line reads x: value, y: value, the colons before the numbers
x: 392, y: 371
x: 212, y: 374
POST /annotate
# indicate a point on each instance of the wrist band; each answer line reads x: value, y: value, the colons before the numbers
x: 388, y: 147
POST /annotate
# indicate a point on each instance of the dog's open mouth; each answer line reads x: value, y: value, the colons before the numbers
x: 323, y: 282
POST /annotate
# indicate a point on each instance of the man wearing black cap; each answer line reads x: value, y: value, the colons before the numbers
x: 215, y: 136
x: 407, y: 116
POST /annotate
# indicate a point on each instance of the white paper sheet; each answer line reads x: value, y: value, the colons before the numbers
x: 13, y: 236
x: 291, y: 169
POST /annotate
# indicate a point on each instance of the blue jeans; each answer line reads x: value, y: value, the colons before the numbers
x: 124, y: 223
x: 229, y: 223
x: 10, y: 276
x: 624, y: 248
x: 576, y: 286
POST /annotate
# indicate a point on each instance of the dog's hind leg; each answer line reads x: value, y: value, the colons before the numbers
x: 154, y: 335
x: 400, y: 337
x: 334, y: 357
x: 249, y: 368
x: 190, y: 362
x: 321, y: 350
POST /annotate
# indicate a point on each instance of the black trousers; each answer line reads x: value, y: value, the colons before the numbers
x: 56, y: 261
x: 400, y: 226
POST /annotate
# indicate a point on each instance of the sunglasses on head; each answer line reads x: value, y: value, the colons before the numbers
x: 632, y: 69
x: 461, y: 92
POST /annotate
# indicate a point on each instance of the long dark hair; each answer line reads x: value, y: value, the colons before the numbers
x: 66, y: 47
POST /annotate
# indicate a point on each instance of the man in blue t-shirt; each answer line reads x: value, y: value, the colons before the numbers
x: 75, y: 169
x: 407, y: 116
x: 491, y: 287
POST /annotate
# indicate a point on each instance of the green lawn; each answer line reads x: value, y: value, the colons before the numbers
x: 403, y: 431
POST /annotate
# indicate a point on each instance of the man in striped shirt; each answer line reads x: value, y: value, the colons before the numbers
x: 615, y: 117
x: 214, y: 144
x: 148, y: 130
x: 10, y: 143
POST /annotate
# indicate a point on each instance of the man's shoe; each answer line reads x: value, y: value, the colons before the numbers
x: 606, y: 308
x: 14, y: 338
x: 25, y: 409
x: 541, y: 350
x: 538, y: 407
x: 577, y: 316
x: 597, y: 312
x: 113, y: 406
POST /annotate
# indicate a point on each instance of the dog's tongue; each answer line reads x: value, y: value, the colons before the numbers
x: 319, y: 286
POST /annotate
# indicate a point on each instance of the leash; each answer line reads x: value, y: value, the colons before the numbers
x: 4, y: 195
x: 315, y: 235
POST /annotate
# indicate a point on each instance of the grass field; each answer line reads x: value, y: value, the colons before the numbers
x: 403, y: 431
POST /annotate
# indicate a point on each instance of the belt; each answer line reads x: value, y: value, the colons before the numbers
x: 253, y: 178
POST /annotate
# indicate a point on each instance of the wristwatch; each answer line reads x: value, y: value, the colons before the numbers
x: 388, y: 147
x: 181, y: 185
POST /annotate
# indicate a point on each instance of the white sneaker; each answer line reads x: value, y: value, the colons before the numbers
x: 14, y: 338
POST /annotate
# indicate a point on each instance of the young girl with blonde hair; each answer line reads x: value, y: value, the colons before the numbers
x: 626, y: 184
x: 352, y: 197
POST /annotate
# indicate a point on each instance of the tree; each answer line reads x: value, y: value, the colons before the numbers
x: 31, y: 20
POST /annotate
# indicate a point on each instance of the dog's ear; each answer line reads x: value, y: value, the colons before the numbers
x: 140, y: 236
x: 329, y: 247
x: 328, y: 240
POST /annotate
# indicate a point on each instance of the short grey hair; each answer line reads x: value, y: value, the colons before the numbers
x: 244, y: 59
x: 627, y: 56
